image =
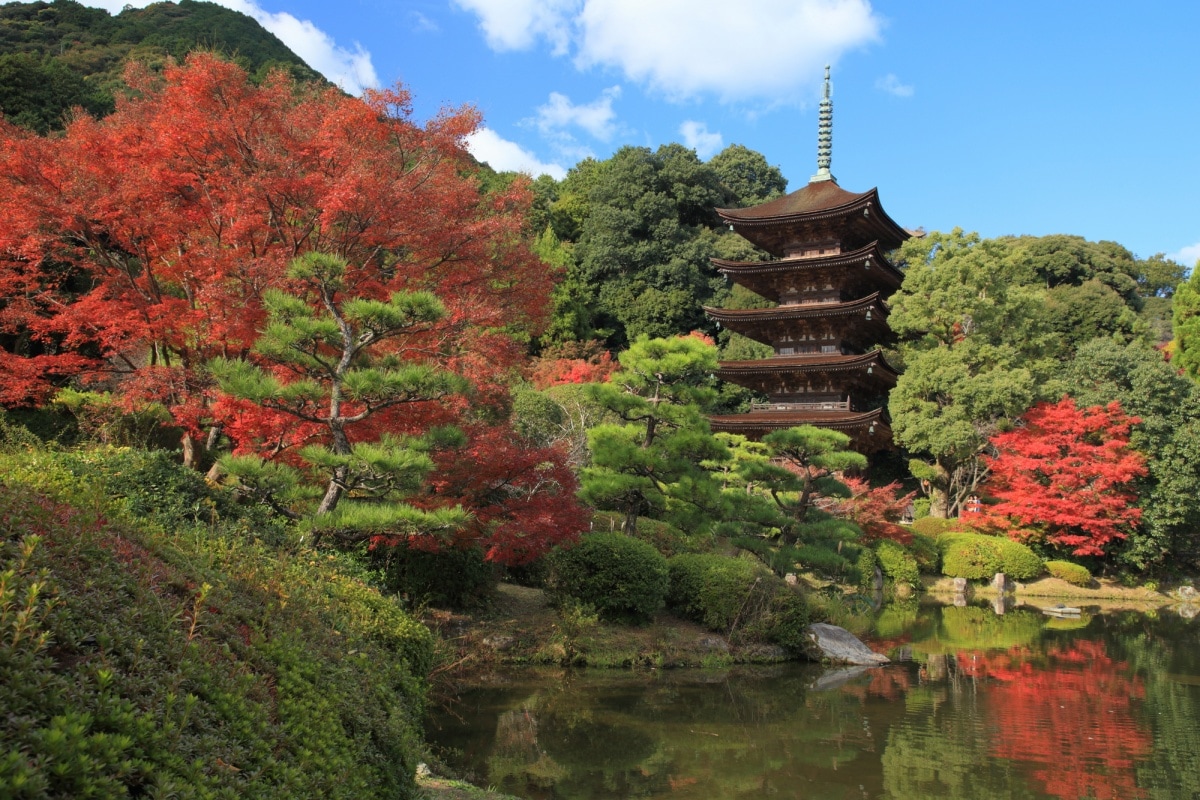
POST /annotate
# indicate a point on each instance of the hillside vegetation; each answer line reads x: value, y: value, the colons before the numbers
x: 55, y: 56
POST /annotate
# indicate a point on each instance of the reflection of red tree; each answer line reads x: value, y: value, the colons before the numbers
x: 1068, y: 714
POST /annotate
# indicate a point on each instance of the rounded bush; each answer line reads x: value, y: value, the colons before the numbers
x: 712, y: 589
x: 970, y: 555
x: 1020, y: 563
x: 623, y: 578
x: 446, y: 578
x: 1071, y: 573
x: 897, y: 563
x: 936, y: 526
x: 925, y: 550
x: 739, y: 597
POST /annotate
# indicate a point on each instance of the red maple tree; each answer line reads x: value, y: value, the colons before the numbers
x: 1065, y: 476
x: 877, y: 510
x: 139, y: 245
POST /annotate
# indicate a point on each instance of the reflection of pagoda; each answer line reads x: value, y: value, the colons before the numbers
x: 830, y: 278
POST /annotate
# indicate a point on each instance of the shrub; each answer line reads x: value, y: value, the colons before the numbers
x: 1019, y: 562
x: 448, y: 578
x: 897, y: 563
x: 969, y: 555
x: 1072, y: 573
x: 623, y: 578
x: 925, y: 551
x: 921, y: 508
x: 864, y: 567
x: 824, y: 560
x: 936, y: 526
x: 739, y: 597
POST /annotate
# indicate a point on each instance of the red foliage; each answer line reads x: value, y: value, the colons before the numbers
x: 1066, y: 475
x: 522, y: 499
x: 557, y: 371
x: 148, y: 237
x: 1062, y: 713
x: 876, y: 510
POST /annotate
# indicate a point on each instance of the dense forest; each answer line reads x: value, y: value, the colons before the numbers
x: 60, y: 55
x: 285, y: 365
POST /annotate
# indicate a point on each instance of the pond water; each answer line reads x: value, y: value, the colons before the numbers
x: 1019, y: 705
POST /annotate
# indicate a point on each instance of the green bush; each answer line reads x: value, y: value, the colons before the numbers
x: 864, y: 567
x: 970, y: 555
x: 623, y: 578
x: 936, y: 526
x: 825, y: 560
x: 925, y: 550
x: 666, y: 538
x: 1019, y: 562
x: 897, y: 563
x: 712, y: 589
x: 448, y: 578
x: 738, y: 597
x: 921, y: 508
x: 1072, y: 573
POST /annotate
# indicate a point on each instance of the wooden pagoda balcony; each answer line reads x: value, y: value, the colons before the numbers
x: 824, y: 405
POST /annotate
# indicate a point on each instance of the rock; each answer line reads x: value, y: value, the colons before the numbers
x: 713, y: 644
x: 790, y: 579
x: 1000, y: 583
x: 1186, y: 593
x: 840, y: 646
x: 961, y: 586
x: 499, y: 642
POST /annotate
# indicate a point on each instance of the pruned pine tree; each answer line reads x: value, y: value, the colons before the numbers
x: 328, y: 359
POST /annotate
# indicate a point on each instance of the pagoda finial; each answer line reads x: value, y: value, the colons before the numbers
x: 825, y: 136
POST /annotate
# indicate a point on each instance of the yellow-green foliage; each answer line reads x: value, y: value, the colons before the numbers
x: 667, y: 539
x: 623, y: 578
x: 976, y: 556
x: 936, y: 526
x: 925, y: 550
x: 1071, y: 573
x: 897, y: 563
x: 188, y: 663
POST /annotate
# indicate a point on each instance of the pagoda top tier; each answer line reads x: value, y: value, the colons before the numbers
x: 820, y: 213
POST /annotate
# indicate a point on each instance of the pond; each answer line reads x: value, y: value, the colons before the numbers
x: 978, y: 705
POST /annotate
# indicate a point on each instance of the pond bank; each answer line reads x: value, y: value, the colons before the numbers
x: 1105, y: 593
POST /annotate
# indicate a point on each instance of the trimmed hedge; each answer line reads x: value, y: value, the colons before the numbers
x: 624, y: 579
x: 738, y: 597
x: 1020, y: 563
x: 925, y: 550
x: 977, y: 556
x: 1070, y: 572
x: 936, y: 526
x: 897, y: 563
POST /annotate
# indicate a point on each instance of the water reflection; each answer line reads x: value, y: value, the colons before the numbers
x: 1015, y: 705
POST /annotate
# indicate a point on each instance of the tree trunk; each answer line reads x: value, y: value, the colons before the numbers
x: 189, y: 451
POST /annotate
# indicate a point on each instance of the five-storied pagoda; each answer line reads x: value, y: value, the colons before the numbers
x: 830, y: 278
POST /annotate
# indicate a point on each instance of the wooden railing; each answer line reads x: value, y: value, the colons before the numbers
x: 828, y: 405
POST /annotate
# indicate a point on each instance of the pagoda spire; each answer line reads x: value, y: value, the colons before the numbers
x: 825, y: 136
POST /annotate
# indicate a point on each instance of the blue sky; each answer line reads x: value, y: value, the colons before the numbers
x: 1021, y: 117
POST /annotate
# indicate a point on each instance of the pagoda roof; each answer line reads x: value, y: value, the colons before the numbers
x: 818, y: 198
x: 868, y: 429
x: 817, y: 202
x: 796, y: 311
x: 871, y: 254
x: 822, y: 362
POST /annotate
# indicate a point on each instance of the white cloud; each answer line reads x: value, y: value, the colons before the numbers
x: 755, y: 49
x: 1188, y: 256
x: 503, y: 156
x: 422, y: 23
x: 892, y: 85
x: 350, y: 69
x: 596, y: 117
x: 696, y: 136
x: 518, y: 24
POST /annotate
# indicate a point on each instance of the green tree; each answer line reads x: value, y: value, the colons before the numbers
x: 747, y: 176
x: 1186, y: 324
x: 650, y: 464
x: 800, y: 467
x: 325, y: 365
x: 1168, y: 405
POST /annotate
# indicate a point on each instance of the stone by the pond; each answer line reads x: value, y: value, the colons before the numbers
x: 713, y: 644
x: 839, y: 646
x: 499, y: 642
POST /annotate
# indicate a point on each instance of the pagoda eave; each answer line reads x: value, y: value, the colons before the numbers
x: 869, y: 430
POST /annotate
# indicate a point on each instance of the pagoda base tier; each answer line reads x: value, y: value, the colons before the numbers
x: 868, y: 430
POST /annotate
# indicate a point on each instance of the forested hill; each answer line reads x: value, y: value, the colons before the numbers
x: 54, y: 56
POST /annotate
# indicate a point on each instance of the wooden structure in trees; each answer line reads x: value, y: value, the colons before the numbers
x: 830, y: 279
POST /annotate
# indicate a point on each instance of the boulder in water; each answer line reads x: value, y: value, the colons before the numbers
x: 839, y: 646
